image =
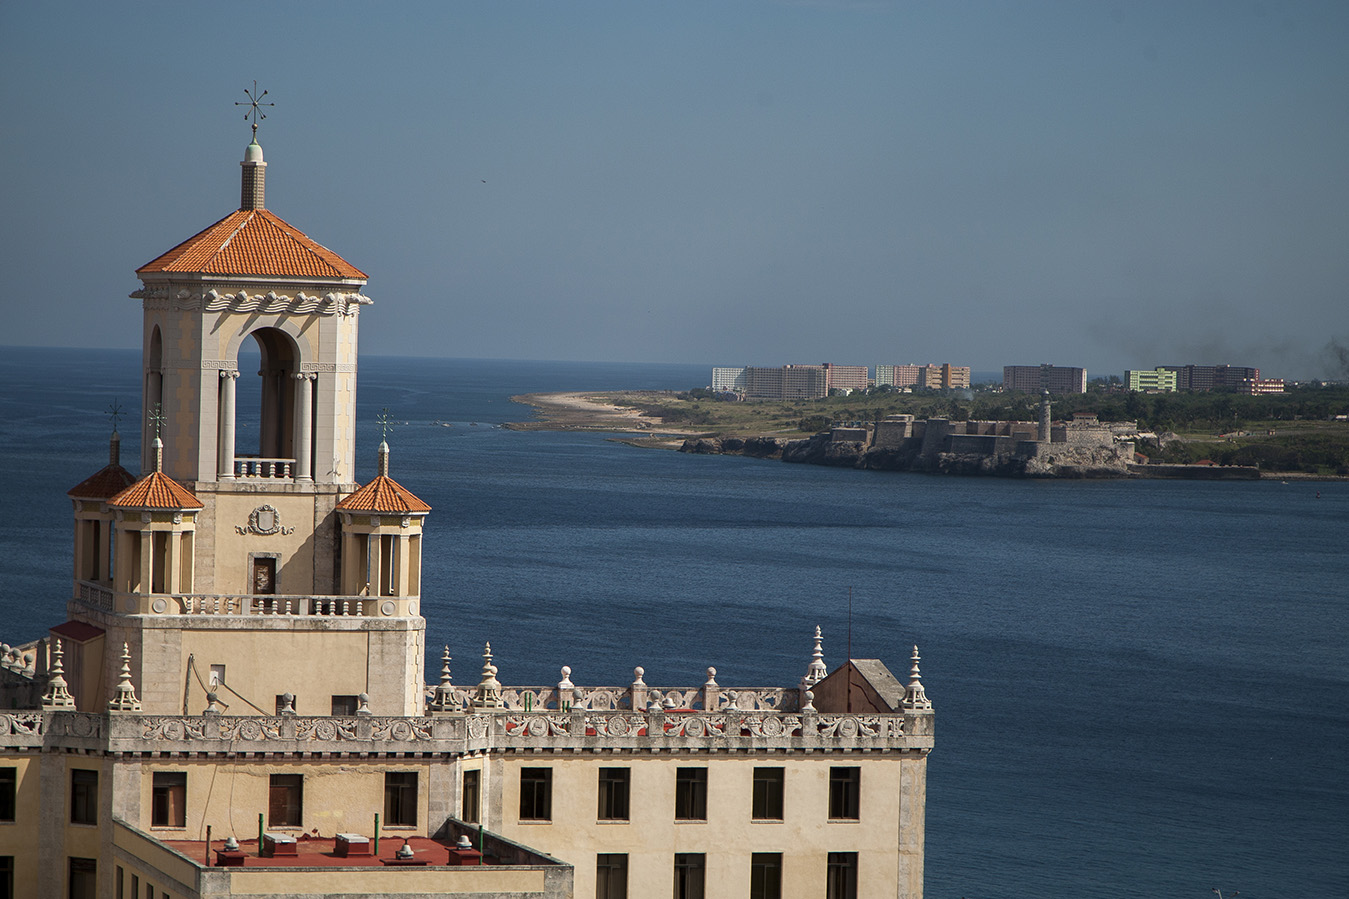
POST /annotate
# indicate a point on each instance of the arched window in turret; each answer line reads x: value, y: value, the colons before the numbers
x: 153, y: 392
x: 273, y: 417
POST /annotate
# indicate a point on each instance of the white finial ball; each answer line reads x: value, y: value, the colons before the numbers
x: 711, y: 672
x: 566, y: 671
x: 638, y: 672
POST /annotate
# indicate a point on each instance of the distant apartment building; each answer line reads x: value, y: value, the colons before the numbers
x: 1038, y: 378
x: 937, y: 377
x: 1261, y: 386
x: 1213, y: 377
x: 845, y: 377
x: 1156, y: 380
x: 724, y: 379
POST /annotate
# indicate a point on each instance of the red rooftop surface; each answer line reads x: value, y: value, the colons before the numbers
x: 253, y: 242
x: 105, y: 483
x: 383, y: 494
x: 156, y: 491
x: 321, y: 852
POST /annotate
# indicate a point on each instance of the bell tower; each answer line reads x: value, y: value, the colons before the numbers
x: 222, y: 566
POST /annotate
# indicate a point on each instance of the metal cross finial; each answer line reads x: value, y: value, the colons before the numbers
x: 114, y: 412
x: 157, y: 418
x: 254, y: 102
x: 385, y: 426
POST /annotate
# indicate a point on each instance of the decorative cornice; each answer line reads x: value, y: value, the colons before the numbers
x: 270, y: 303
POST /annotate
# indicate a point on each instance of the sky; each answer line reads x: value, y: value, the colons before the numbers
x: 740, y: 182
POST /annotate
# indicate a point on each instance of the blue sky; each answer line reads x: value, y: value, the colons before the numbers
x: 1112, y: 185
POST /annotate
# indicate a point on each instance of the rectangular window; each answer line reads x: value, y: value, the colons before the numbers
x: 83, y: 796
x: 765, y: 875
x: 845, y: 792
x: 400, y: 798
x: 217, y: 675
x: 472, y: 791
x: 690, y: 875
x: 168, y: 805
x: 768, y: 790
x: 536, y: 794
x: 83, y: 878
x: 121, y: 885
x: 285, y: 800
x: 7, y: 878
x: 614, y: 794
x: 842, y: 877
x: 691, y: 794
x: 611, y: 876
x: 288, y: 707
x: 9, y: 786
x: 345, y: 706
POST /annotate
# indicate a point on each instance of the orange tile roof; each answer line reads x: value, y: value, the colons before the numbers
x: 156, y: 491
x: 253, y: 242
x: 383, y: 494
x: 105, y: 483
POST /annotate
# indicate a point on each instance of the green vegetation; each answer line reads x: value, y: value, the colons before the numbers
x: 1294, y: 431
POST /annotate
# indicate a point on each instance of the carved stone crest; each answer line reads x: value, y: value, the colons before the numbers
x: 264, y: 520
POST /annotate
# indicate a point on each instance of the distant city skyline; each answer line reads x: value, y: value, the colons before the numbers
x: 1111, y: 186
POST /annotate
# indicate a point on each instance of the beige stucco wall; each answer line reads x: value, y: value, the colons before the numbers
x: 805, y: 836
x: 21, y: 838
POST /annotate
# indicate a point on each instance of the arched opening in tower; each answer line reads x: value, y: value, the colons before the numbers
x: 267, y: 399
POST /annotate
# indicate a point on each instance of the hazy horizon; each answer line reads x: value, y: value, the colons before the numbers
x: 1108, y: 186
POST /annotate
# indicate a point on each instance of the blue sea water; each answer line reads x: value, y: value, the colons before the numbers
x: 1142, y: 688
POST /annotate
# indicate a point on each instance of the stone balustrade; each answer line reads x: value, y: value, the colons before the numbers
x: 263, y: 467
x: 578, y: 729
x: 218, y: 604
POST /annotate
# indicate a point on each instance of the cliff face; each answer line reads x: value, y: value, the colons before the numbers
x: 1054, y: 461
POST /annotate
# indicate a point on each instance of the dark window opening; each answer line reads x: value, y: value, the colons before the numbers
x: 83, y: 879
x: 691, y: 794
x: 83, y: 796
x: 400, y: 798
x: 842, y: 877
x: 536, y: 794
x: 285, y: 800
x: 613, y: 794
x: 611, y: 876
x: 469, y: 811
x: 769, y: 786
x: 9, y: 786
x: 7, y: 878
x: 345, y: 705
x: 765, y: 875
x: 845, y: 792
x: 690, y: 875
x: 168, y: 800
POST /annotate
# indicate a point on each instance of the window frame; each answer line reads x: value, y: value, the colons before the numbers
x: 690, y: 794
x: 841, y: 876
x: 845, y: 793
x: 400, y: 795
x: 693, y: 867
x: 295, y: 803
x: 765, y: 875
x: 614, y: 794
x: 473, y: 814
x: 84, y: 796
x: 767, y: 800
x: 536, y: 801
x: 9, y: 794
x: 162, y: 786
x: 611, y: 875
x: 342, y: 701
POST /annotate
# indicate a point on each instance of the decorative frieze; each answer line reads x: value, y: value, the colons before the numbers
x: 270, y: 303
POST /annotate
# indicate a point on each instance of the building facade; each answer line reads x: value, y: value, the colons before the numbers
x: 236, y: 702
x: 1156, y: 380
x: 1057, y: 379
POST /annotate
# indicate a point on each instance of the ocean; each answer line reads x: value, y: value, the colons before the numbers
x: 1142, y: 688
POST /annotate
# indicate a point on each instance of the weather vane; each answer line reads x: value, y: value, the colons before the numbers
x: 385, y: 426
x: 157, y: 418
x: 254, y: 102
x: 114, y: 412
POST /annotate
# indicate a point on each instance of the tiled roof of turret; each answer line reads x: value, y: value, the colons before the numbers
x: 105, y: 483
x: 383, y: 494
x: 156, y: 491
x: 253, y: 242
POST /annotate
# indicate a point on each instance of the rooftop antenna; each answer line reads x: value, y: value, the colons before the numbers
x: 254, y: 102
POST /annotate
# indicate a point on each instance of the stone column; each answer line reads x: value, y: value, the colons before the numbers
x: 225, y: 426
x: 304, y: 426
x: 171, y: 562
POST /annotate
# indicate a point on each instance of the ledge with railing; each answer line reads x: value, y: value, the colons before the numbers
x: 216, y: 604
x: 263, y: 467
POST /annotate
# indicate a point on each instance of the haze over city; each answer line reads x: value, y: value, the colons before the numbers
x: 1103, y: 185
